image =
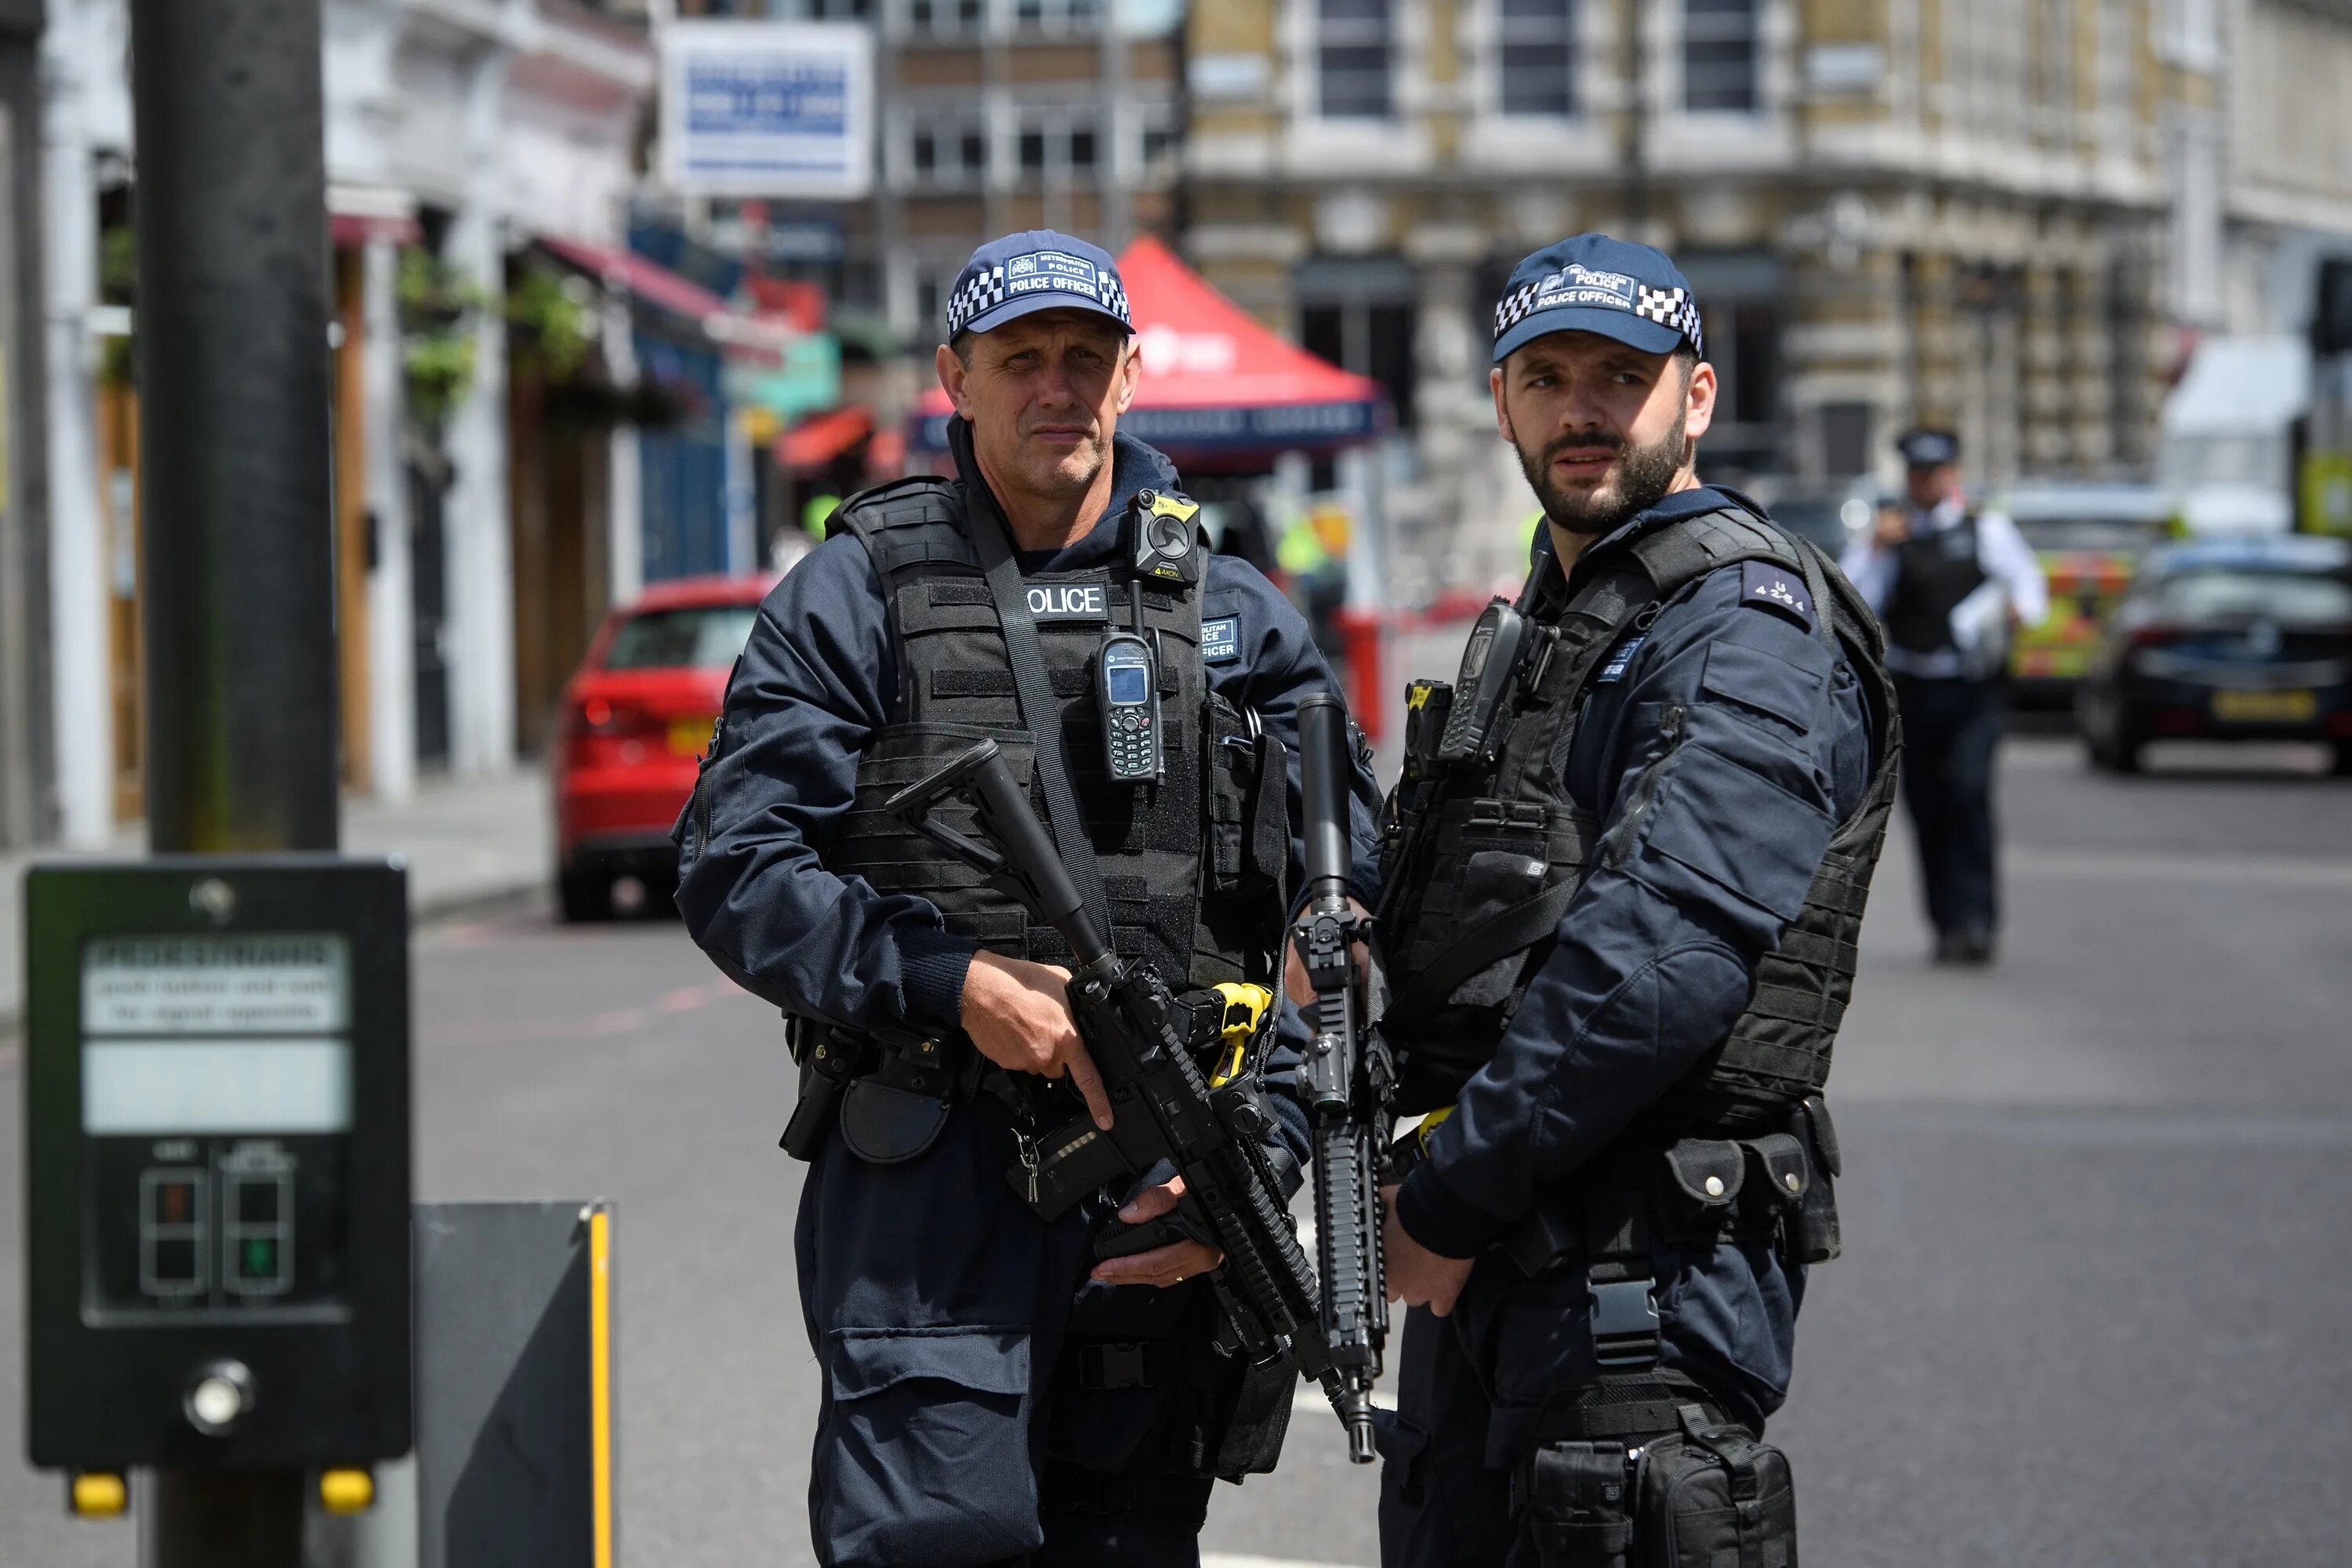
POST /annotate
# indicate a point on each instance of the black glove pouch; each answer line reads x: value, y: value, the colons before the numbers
x: 1712, y: 1495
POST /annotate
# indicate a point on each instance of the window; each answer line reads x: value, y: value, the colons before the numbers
x: 948, y: 18
x: 948, y: 151
x: 1358, y: 313
x: 1535, y: 47
x: 1352, y: 57
x: 1057, y: 145
x: 1159, y: 139
x: 1055, y: 15
x: 1719, y: 55
x: 703, y: 638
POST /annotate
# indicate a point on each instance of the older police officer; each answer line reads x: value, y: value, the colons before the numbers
x: 1622, y: 889
x: 991, y: 1391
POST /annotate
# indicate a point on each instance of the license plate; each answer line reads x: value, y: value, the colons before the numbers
x: 686, y: 736
x: 2265, y: 707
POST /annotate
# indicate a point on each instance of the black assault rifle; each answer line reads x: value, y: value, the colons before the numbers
x: 1347, y: 1078
x: 1162, y: 1107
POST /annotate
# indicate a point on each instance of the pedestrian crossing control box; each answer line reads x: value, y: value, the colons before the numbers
x: 217, y: 1137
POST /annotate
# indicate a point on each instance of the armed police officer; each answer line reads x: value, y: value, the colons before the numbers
x: 995, y: 1390
x: 1949, y: 583
x: 1625, y: 873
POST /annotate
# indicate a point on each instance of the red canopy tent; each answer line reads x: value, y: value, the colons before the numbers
x: 1219, y: 390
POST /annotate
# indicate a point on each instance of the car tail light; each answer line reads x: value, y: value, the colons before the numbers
x: 2339, y: 723
x: 2176, y: 721
x: 2157, y: 636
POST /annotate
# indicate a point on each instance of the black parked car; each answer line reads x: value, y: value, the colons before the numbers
x: 2226, y: 639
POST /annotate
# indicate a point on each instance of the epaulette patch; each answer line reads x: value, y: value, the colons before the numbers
x: 1764, y: 585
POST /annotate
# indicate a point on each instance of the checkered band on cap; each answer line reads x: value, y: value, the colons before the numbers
x: 1115, y: 296
x: 1671, y: 308
x: 1667, y: 306
x: 981, y: 292
x: 1513, y: 308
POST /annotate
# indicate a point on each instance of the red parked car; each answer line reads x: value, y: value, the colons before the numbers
x: 635, y: 720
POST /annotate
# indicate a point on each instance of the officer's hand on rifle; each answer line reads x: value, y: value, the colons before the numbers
x: 1018, y: 1014
x: 1293, y: 971
x: 1416, y: 1276
x: 1162, y: 1265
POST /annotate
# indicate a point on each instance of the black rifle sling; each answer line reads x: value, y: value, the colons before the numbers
x: 1040, y: 709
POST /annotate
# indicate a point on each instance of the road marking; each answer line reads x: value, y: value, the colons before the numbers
x: 1229, y: 1560
x: 616, y: 1021
x: 2253, y: 870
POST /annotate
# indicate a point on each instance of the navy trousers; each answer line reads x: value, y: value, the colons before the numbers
x: 938, y: 1306
x: 1950, y: 731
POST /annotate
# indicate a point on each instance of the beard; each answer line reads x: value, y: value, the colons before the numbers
x: 1636, y: 482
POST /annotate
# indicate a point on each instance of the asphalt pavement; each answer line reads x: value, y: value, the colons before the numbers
x: 2091, y: 1305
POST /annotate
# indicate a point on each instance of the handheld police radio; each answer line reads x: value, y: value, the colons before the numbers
x: 1488, y: 662
x: 1127, y: 695
x: 1160, y: 545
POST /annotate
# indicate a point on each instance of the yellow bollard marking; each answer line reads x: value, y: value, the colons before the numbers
x: 343, y: 1492
x: 98, y: 1494
x: 600, y: 1377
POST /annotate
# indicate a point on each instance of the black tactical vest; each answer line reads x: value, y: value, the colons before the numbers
x: 1933, y: 573
x: 1194, y: 866
x: 1479, y: 867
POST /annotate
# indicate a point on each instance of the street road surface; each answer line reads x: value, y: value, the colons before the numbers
x: 2091, y: 1308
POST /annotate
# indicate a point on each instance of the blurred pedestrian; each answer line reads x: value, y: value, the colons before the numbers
x: 1950, y: 586
x: 1002, y: 1386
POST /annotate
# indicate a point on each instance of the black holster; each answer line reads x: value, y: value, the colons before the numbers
x: 828, y: 1062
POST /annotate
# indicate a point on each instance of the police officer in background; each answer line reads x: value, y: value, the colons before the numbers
x: 992, y: 1392
x: 1949, y: 585
x: 1622, y: 886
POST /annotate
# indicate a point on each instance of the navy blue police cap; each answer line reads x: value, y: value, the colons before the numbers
x: 1928, y: 448
x: 1038, y: 269
x: 1592, y: 283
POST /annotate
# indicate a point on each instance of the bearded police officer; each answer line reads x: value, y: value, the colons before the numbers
x: 1949, y: 583
x: 1622, y: 885
x: 992, y: 1392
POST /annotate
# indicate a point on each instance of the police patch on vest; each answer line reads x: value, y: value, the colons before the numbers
x: 1221, y: 639
x: 1068, y: 601
x: 1621, y: 660
x: 1766, y: 587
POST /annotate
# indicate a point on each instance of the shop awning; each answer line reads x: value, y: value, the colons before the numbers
x: 818, y: 439
x: 651, y: 283
x: 1218, y: 387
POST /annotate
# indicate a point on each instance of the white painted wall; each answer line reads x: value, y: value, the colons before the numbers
x: 85, y: 107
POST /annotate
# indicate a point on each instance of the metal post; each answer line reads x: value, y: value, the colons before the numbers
x: 233, y: 380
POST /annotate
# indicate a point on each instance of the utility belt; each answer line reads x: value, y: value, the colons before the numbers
x: 890, y: 1099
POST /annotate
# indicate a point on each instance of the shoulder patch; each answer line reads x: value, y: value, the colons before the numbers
x: 1764, y: 585
x: 1221, y: 639
x: 1621, y: 659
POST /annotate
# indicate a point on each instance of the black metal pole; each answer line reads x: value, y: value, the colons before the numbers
x: 233, y: 454
x: 236, y: 514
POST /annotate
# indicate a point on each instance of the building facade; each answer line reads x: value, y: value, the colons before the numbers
x: 1987, y: 215
x: 457, y: 133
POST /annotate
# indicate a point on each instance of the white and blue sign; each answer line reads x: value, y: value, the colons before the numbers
x: 768, y: 109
